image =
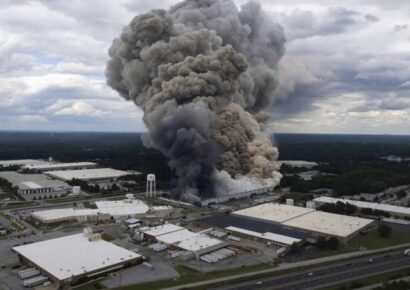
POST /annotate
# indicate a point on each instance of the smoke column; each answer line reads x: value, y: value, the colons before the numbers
x: 202, y: 72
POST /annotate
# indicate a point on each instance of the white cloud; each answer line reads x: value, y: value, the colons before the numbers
x: 32, y: 118
x: 346, y: 67
x: 80, y: 108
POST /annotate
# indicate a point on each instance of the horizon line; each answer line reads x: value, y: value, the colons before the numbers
x: 141, y: 132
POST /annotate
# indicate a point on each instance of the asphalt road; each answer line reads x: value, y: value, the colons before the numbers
x: 330, y: 274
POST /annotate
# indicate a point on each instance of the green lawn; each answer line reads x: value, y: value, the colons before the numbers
x: 4, y: 195
x: 373, y: 241
x: 88, y: 204
x: 17, y: 226
x: 369, y: 241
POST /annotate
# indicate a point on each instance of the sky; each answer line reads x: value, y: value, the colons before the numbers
x: 346, y: 68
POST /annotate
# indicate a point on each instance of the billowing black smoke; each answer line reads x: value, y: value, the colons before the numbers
x: 202, y: 72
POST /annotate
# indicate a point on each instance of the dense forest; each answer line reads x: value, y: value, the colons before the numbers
x: 118, y: 150
x: 354, y: 163
x: 355, y: 160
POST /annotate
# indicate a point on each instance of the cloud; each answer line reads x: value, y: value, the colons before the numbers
x: 346, y: 62
x: 33, y: 118
x: 80, y: 108
x: 394, y: 104
x: 332, y: 21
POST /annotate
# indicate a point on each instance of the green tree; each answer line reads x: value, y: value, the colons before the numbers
x: 384, y: 230
x: 401, y: 194
x: 333, y: 243
x: 321, y: 243
x: 294, y: 248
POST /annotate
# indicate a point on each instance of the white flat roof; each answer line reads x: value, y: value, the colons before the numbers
x: 33, y: 181
x: 32, y: 185
x: 176, y: 236
x: 58, y: 165
x: 188, y: 240
x: 122, y: 207
x: 117, y: 209
x: 297, y: 163
x: 53, y: 214
x: 162, y: 229
x: 198, y: 242
x: 22, y: 162
x: 365, y: 204
x: 329, y: 223
x: 267, y: 236
x: 87, y: 174
x: 74, y: 255
x: 273, y: 212
x: 171, y: 234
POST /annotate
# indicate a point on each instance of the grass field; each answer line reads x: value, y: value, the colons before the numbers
x: 4, y: 195
x: 369, y: 241
x: 17, y: 226
x: 88, y: 204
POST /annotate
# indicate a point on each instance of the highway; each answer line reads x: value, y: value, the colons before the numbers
x: 330, y: 274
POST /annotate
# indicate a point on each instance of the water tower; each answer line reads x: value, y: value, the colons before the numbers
x: 151, y: 188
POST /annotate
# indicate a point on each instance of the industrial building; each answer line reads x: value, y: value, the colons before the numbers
x: 92, y: 175
x: 22, y: 162
x: 246, y: 193
x: 257, y: 230
x: 268, y: 238
x: 73, y: 259
x: 179, y: 238
x: 59, y: 166
x: 36, y: 186
x: 273, y: 212
x: 106, y: 211
x: 315, y: 222
x: 394, y: 210
x: 297, y: 163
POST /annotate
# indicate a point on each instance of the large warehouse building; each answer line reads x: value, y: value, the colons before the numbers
x: 317, y: 223
x: 258, y: 230
x: 60, y: 166
x: 36, y: 186
x: 93, y: 175
x: 394, y: 210
x: 71, y: 259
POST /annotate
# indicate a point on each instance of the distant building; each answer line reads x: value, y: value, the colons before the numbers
x: 22, y: 162
x: 91, y: 175
x: 35, y: 186
x: 394, y: 210
x: 105, y: 211
x: 59, y: 166
x: 297, y: 163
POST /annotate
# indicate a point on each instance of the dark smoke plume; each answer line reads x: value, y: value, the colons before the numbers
x: 202, y: 72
